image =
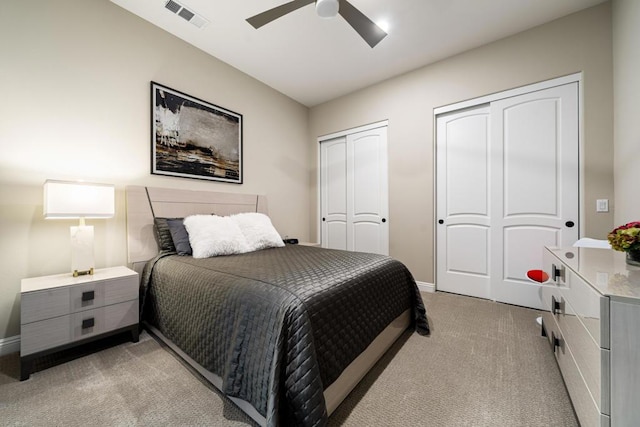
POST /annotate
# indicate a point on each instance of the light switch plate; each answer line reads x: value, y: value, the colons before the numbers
x: 602, y: 205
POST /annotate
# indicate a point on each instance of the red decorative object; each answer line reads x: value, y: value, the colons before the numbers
x: 538, y: 276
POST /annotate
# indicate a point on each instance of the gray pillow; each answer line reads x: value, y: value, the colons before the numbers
x: 179, y: 236
x: 163, y: 234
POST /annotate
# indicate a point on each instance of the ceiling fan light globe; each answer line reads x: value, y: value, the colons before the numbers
x: 327, y: 8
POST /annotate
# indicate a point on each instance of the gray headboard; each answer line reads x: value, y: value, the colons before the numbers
x: 143, y: 203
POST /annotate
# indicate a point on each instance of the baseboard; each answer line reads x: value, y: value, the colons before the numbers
x: 9, y: 345
x: 426, y: 287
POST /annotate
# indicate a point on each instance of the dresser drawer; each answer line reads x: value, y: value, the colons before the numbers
x: 583, y: 403
x: 586, y: 409
x: 50, y: 333
x: 586, y: 353
x: 589, y: 306
x: 577, y: 312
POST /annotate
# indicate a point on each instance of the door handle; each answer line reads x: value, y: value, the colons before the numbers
x: 441, y: 221
x: 570, y: 224
x: 384, y: 219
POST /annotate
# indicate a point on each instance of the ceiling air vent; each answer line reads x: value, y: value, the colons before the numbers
x: 189, y: 15
x: 173, y: 6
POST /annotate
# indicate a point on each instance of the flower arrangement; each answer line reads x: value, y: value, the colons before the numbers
x: 626, y: 238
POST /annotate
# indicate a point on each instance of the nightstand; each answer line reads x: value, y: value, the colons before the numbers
x: 61, y: 311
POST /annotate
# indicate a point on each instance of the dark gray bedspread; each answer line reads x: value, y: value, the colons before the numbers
x: 278, y: 325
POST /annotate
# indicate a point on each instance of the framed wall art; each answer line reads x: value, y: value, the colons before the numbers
x: 192, y: 138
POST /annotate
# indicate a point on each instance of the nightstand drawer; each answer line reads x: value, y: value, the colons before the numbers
x: 91, y: 322
x: 121, y: 289
x: 45, y: 304
x: 37, y: 336
x: 50, y: 333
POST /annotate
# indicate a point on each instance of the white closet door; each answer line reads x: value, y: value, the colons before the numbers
x: 333, y: 177
x: 463, y: 202
x: 535, y: 140
x: 354, y: 192
x: 367, y: 193
x: 507, y: 185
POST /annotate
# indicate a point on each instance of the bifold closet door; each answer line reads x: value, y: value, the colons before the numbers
x: 354, y: 192
x: 507, y: 185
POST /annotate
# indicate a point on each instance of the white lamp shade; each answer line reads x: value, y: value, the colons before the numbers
x: 327, y: 8
x: 68, y: 199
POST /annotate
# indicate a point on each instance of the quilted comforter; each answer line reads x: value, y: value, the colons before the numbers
x: 278, y: 325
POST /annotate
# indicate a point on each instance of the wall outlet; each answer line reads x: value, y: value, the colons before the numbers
x: 602, y: 205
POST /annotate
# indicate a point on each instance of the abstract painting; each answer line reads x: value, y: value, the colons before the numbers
x: 192, y: 138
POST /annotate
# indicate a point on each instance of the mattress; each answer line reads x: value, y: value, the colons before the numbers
x: 278, y: 325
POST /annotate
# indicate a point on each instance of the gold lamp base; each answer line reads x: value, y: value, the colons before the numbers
x: 77, y: 273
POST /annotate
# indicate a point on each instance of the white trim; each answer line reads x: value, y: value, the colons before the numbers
x: 9, y: 345
x: 426, y: 287
x: 346, y: 132
x: 582, y: 210
x: 571, y: 78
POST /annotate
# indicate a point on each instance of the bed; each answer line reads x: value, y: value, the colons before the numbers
x: 285, y: 333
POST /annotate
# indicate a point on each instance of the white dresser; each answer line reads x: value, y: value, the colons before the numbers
x: 593, y: 326
x: 60, y: 311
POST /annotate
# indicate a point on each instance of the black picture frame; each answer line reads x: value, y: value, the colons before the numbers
x: 192, y: 138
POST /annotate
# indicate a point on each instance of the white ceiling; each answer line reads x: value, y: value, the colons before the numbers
x: 313, y: 60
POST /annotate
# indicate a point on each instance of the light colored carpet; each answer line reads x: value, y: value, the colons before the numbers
x: 484, y: 364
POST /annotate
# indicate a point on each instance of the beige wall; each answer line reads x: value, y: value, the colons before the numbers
x: 626, y: 72
x: 74, y: 78
x: 579, y: 42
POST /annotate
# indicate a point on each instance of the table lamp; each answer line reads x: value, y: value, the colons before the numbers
x: 71, y: 200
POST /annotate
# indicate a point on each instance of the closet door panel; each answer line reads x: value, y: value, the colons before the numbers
x: 354, y: 191
x: 367, y: 191
x: 506, y: 186
x: 463, y: 235
x: 530, y: 158
x: 334, y: 193
x: 467, y: 165
x: 534, y: 142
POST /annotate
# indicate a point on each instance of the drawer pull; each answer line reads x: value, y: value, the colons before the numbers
x: 557, y: 273
x: 88, y: 323
x: 555, y: 305
x: 555, y: 341
x: 88, y: 296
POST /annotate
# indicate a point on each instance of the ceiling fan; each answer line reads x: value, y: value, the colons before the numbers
x: 368, y: 30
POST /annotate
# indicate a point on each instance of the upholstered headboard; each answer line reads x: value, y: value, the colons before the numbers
x: 145, y: 203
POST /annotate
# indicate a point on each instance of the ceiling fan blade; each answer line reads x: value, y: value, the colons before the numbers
x: 279, y: 11
x: 367, y: 29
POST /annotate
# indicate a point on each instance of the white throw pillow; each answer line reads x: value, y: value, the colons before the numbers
x: 258, y: 231
x: 212, y: 235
